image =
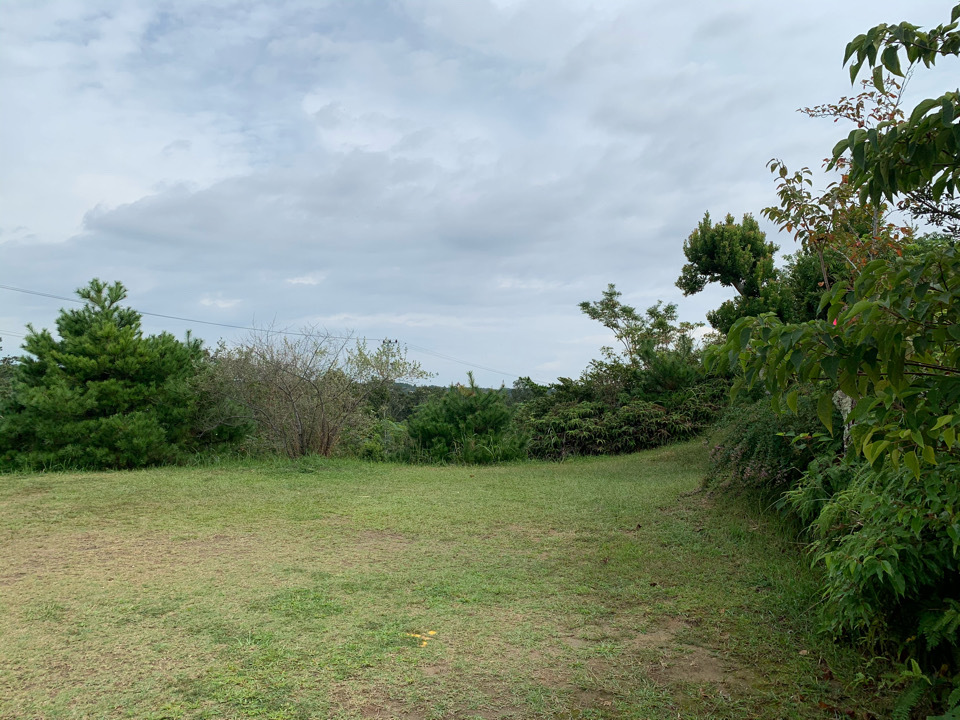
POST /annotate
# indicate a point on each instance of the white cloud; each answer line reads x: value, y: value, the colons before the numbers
x: 219, y: 303
x: 534, y: 284
x: 311, y: 279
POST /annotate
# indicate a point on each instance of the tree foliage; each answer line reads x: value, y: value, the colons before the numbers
x: 735, y: 255
x: 901, y: 156
x: 890, y: 538
x: 102, y: 394
x: 567, y: 422
x: 654, y: 393
x: 303, y: 390
x: 891, y: 342
x: 642, y: 336
x: 837, y: 223
x: 885, y: 519
x: 466, y: 424
x: 8, y: 373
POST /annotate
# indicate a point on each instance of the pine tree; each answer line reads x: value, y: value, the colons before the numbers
x: 735, y: 255
x: 466, y: 424
x: 102, y: 395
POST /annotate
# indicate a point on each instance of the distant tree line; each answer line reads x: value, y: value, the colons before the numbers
x: 100, y: 393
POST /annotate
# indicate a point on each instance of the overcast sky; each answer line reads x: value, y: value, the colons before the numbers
x: 454, y: 174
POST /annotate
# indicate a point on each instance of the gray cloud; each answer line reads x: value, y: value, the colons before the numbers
x: 455, y: 175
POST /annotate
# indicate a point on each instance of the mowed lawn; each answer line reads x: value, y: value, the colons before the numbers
x: 596, y: 588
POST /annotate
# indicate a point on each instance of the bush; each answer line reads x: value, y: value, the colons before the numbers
x: 380, y: 441
x: 560, y: 427
x: 759, y: 448
x: 889, y: 547
x: 302, y: 392
x: 465, y: 425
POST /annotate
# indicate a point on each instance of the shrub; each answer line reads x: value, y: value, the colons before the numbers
x: 465, y: 425
x: 379, y: 440
x: 303, y: 391
x: 757, y: 447
x: 560, y: 427
x: 888, y: 544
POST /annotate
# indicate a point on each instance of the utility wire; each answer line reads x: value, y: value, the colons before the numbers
x: 419, y: 348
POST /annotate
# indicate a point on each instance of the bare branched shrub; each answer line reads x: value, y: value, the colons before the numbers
x: 304, y: 389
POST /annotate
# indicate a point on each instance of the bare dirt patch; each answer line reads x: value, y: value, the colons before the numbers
x: 663, y: 636
x: 372, y: 704
x: 683, y: 662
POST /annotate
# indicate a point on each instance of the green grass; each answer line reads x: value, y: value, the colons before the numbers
x: 597, y: 588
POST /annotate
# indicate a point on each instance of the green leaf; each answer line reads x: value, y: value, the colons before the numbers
x: 825, y: 411
x: 878, y: 78
x: 855, y: 69
x: 792, y: 401
x: 848, y: 383
x: 943, y: 420
x: 939, y: 186
x: 895, y: 370
x: 912, y: 463
x: 840, y: 148
x: 858, y: 153
x: 858, y: 308
x: 946, y: 111
x: 922, y: 108
x: 929, y: 456
x: 881, y: 447
x: 891, y: 60
x: 830, y: 364
x: 851, y: 48
x: 872, y: 45
x: 949, y: 437
x: 796, y: 359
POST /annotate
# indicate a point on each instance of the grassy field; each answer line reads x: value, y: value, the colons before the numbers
x: 597, y: 588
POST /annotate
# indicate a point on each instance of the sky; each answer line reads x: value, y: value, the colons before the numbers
x: 457, y: 175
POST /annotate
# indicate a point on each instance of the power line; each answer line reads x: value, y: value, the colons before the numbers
x: 419, y: 348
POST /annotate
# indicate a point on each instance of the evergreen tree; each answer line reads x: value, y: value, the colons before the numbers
x: 102, y: 395
x: 466, y: 424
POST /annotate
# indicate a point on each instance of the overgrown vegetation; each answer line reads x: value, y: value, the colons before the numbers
x: 130, y: 401
x: 466, y: 424
x: 881, y: 510
x: 302, y: 391
x: 767, y: 451
x: 653, y: 392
